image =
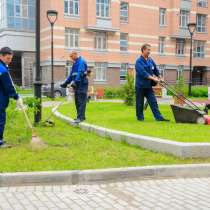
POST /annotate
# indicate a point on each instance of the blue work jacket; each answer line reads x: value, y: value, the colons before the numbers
x: 78, y: 72
x: 7, y: 89
x: 144, y: 69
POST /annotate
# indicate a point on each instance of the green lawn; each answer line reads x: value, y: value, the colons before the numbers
x: 22, y: 91
x: 121, y: 117
x: 72, y: 149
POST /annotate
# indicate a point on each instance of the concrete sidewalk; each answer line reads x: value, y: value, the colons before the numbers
x: 164, y: 194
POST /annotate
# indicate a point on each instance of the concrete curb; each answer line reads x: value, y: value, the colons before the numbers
x: 97, y: 176
x: 178, y: 149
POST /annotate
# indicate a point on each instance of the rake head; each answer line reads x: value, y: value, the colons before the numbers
x: 37, y: 143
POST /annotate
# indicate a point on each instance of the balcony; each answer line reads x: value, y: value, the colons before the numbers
x: 186, y: 4
x: 181, y: 33
x: 103, y: 24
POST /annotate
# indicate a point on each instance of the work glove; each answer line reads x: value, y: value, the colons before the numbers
x: 20, y: 104
x: 73, y: 84
x: 64, y: 85
x: 156, y: 80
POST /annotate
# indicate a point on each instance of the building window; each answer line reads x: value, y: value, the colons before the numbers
x: 161, y: 45
x: 180, y: 46
x: 202, y: 3
x: 162, y: 70
x: 199, y: 49
x: 1, y: 14
x: 71, y: 7
x: 201, y: 23
x: 21, y: 8
x: 180, y: 72
x: 124, y: 11
x: 123, y: 71
x: 71, y: 38
x: 102, y: 8
x: 123, y: 42
x: 184, y: 18
x: 21, y: 14
x: 101, y: 72
x: 101, y: 41
x: 162, y: 17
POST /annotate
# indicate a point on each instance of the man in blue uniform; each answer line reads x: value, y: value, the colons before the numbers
x: 147, y: 76
x: 7, y: 90
x: 79, y: 82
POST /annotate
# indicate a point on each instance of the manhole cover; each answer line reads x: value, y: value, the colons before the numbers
x: 81, y: 191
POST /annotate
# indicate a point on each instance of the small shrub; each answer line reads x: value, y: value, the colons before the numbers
x: 111, y: 93
x: 200, y: 91
x: 181, y: 87
x: 32, y: 104
x: 129, y: 91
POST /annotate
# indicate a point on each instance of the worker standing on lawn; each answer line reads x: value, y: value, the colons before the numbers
x: 7, y: 90
x: 79, y: 82
x: 147, y: 76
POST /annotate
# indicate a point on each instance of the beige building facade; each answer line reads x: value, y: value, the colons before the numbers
x: 109, y: 34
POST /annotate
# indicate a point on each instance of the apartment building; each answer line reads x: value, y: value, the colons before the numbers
x: 17, y: 24
x: 109, y: 33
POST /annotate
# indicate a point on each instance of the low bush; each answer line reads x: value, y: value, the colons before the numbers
x: 200, y: 91
x: 114, y: 93
x: 129, y: 91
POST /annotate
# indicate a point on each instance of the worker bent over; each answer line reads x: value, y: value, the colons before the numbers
x: 79, y: 82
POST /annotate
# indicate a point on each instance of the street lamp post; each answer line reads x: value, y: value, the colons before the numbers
x: 38, y: 83
x: 52, y: 16
x: 191, y: 28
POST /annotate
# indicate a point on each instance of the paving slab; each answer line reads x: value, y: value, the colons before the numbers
x: 156, y: 194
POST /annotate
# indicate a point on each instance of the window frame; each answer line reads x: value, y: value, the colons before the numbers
x: 180, y: 47
x: 73, y: 33
x: 162, y: 68
x: 161, y: 45
x: 101, y: 70
x: 21, y: 5
x: 162, y: 16
x: 202, y: 3
x: 74, y: 3
x: 101, y: 41
x: 180, y: 72
x: 103, y: 9
x: 124, y: 18
x: 124, y: 47
x: 123, y: 68
x: 201, y: 45
x: 184, y: 18
x: 202, y: 27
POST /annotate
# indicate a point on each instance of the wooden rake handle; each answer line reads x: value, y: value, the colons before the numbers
x: 27, y: 119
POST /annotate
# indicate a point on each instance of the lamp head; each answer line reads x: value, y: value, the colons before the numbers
x: 191, y: 27
x: 52, y: 16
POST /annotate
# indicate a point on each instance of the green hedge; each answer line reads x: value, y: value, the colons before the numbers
x: 119, y: 93
x: 200, y: 91
x: 197, y: 91
x: 114, y: 93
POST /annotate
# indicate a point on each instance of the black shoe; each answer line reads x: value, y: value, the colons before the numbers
x: 163, y: 120
x: 77, y: 121
x: 4, y: 145
x: 141, y: 120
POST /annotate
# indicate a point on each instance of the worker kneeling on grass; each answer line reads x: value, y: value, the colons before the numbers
x: 147, y: 76
x: 7, y: 90
x: 79, y: 82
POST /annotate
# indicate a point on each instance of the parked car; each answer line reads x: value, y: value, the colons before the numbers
x: 58, y: 91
